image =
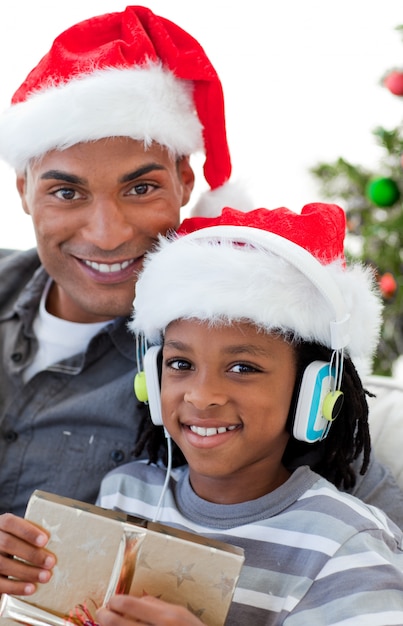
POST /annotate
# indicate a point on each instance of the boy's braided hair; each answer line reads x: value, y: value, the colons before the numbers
x: 348, y: 437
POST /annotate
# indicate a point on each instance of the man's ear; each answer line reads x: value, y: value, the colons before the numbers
x: 186, y: 177
x: 21, y: 184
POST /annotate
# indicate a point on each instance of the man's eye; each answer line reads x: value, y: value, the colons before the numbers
x: 66, y: 194
x: 140, y: 190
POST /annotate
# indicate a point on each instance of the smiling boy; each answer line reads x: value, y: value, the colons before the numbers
x: 255, y: 378
x: 226, y: 400
x: 260, y: 394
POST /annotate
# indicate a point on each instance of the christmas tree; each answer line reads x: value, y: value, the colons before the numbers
x: 373, y: 201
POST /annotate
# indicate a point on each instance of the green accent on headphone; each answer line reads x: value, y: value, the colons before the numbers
x: 332, y: 405
x: 140, y: 387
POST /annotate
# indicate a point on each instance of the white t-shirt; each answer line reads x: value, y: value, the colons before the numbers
x: 58, y: 339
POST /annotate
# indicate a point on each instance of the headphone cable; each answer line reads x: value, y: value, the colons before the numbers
x: 167, y: 475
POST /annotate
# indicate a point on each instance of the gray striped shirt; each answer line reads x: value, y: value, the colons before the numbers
x: 313, y: 555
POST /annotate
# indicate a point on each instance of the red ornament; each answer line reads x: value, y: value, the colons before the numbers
x: 394, y: 82
x: 387, y: 285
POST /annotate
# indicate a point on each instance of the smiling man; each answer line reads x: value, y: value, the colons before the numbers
x: 96, y: 208
x: 99, y: 134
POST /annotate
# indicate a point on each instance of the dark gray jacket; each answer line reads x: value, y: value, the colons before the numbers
x: 70, y: 424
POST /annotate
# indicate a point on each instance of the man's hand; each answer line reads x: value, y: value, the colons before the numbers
x: 20, y: 538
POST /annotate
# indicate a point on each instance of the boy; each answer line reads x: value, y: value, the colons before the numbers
x: 260, y: 335
x: 247, y: 316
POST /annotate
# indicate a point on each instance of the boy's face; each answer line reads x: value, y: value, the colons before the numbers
x: 97, y: 207
x: 226, y: 393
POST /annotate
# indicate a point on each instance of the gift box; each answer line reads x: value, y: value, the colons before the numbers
x: 101, y: 552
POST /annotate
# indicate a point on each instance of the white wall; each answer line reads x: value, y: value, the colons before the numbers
x: 301, y: 79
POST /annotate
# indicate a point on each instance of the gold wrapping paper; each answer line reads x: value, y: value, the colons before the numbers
x: 102, y: 552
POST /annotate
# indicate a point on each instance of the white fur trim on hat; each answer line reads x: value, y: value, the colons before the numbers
x: 145, y: 103
x: 210, y: 203
x: 224, y: 282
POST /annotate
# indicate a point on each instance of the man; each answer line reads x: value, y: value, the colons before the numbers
x: 100, y: 134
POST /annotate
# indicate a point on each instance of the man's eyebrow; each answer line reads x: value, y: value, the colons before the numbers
x: 63, y: 176
x: 142, y: 171
x: 77, y: 180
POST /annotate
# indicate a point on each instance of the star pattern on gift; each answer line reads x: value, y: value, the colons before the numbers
x: 196, y: 612
x: 60, y: 578
x: 226, y: 585
x: 142, y: 560
x: 52, y: 530
x: 145, y: 594
x: 93, y: 544
x: 182, y: 572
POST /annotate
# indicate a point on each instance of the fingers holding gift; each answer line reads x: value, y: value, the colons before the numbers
x: 22, y: 539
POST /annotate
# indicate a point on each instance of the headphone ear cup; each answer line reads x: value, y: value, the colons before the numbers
x: 317, y: 406
x: 151, y: 362
x: 140, y: 387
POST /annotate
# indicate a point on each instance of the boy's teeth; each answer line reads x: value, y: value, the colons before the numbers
x: 208, y: 432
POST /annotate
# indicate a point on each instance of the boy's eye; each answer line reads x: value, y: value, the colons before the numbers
x: 242, y: 368
x: 178, y: 364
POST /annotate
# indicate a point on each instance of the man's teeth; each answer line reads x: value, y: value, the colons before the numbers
x: 209, y: 432
x: 107, y: 268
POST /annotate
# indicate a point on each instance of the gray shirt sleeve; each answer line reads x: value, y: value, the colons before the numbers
x: 378, y: 487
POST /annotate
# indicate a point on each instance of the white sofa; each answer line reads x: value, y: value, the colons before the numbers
x: 386, y: 422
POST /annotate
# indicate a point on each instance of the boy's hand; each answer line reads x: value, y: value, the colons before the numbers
x: 124, y: 610
x: 21, y: 538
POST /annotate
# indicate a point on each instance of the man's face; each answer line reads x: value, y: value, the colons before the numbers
x: 97, y: 208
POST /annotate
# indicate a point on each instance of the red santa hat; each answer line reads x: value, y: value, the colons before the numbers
x: 129, y: 73
x: 281, y: 270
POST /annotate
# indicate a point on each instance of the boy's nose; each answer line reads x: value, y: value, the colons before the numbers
x: 205, y: 392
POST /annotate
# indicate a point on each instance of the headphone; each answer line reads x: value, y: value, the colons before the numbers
x: 147, y: 390
x: 316, y: 408
x: 147, y: 383
x: 319, y: 398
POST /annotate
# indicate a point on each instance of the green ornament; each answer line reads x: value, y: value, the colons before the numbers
x: 383, y: 191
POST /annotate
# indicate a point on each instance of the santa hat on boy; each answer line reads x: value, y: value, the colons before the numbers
x: 129, y: 73
x: 281, y: 270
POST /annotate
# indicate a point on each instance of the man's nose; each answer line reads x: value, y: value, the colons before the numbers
x: 107, y: 226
